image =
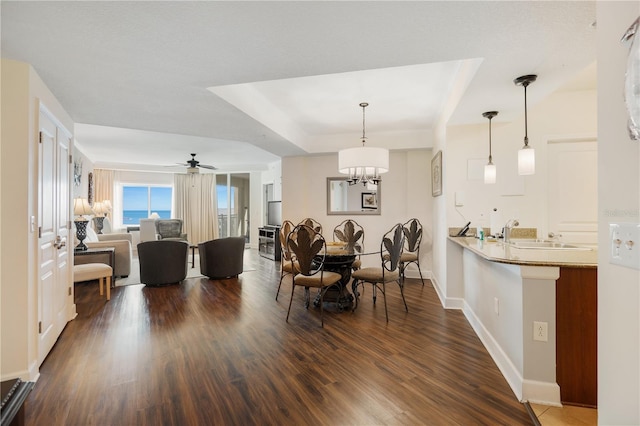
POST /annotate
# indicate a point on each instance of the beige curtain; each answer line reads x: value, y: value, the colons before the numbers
x: 197, y: 206
x: 103, y: 185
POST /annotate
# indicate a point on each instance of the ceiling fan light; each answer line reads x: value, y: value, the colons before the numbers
x: 526, y: 161
x: 490, y: 173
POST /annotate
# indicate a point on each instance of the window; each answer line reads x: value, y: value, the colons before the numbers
x: 139, y: 202
x: 233, y: 193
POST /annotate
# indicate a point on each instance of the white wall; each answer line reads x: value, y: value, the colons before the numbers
x: 22, y: 90
x: 562, y: 116
x: 619, y: 201
x: 405, y: 193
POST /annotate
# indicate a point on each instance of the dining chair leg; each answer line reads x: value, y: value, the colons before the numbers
x: 401, y: 284
x: 279, y: 285
x: 375, y: 295
x: 356, y: 294
x: 293, y: 287
x: 420, y: 271
x: 384, y: 296
x: 322, y: 308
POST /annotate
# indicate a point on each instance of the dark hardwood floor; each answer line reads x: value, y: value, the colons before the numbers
x: 220, y: 353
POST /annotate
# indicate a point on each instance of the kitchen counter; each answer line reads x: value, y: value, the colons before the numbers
x: 497, y: 251
x: 507, y: 293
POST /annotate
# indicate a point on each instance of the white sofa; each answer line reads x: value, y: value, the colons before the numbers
x: 122, y: 242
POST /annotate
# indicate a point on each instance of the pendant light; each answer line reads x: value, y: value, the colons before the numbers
x: 526, y: 155
x: 363, y: 164
x: 490, y: 168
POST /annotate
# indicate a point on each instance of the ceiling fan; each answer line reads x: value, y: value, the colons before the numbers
x: 193, y: 165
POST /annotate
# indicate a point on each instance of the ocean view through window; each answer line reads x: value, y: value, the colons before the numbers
x: 139, y: 202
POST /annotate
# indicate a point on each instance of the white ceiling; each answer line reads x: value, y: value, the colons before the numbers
x: 244, y: 83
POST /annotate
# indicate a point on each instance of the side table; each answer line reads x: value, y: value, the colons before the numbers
x: 14, y: 393
x: 193, y: 248
x: 106, y: 255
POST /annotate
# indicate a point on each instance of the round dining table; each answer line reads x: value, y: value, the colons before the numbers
x: 339, y: 258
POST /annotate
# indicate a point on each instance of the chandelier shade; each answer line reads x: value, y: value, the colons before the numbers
x: 363, y: 164
x: 372, y: 160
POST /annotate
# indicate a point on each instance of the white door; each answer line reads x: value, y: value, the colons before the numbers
x: 54, y: 244
x: 573, y: 191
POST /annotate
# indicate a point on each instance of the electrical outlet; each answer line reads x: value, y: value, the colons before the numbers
x: 540, y: 331
x: 496, y: 306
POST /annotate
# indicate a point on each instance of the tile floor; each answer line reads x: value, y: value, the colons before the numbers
x: 567, y: 415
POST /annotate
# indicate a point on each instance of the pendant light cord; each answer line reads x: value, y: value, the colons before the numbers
x: 490, y: 158
x: 526, y: 136
x: 363, y: 105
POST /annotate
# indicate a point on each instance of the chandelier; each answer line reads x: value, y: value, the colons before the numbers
x: 363, y: 164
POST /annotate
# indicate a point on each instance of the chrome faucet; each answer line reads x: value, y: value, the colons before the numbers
x: 511, y: 223
x: 554, y: 236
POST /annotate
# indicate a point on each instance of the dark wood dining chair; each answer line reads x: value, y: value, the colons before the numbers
x: 351, y: 233
x: 411, y: 253
x: 390, y: 252
x: 312, y: 223
x: 288, y: 263
x: 310, y: 248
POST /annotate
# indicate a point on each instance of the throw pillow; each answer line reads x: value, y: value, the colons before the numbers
x: 92, y: 237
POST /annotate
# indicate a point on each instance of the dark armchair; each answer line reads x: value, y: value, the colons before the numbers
x: 222, y: 257
x: 163, y: 262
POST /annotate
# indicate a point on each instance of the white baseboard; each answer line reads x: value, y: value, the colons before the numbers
x: 546, y: 393
x: 543, y: 393
x: 446, y: 302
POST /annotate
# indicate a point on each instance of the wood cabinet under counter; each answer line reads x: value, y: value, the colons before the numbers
x: 577, y: 336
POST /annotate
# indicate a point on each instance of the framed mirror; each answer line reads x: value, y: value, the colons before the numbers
x: 345, y: 199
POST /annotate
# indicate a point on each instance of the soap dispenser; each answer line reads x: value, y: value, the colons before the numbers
x: 479, y: 228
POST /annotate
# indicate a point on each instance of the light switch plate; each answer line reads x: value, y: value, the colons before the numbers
x: 624, y: 241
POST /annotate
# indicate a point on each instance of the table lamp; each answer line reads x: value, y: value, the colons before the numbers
x: 100, y: 210
x: 107, y: 206
x: 81, y: 207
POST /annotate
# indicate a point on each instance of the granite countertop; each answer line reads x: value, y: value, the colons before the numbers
x: 497, y: 251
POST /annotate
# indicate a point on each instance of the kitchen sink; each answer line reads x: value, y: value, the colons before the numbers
x: 545, y: 245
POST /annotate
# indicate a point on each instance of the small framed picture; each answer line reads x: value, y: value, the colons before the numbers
x: 369, y: 200
x: 436, y: 174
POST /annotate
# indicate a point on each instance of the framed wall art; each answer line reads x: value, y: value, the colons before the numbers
x: 369, y: 200
x: 436, y: 174
x: 90, y: 188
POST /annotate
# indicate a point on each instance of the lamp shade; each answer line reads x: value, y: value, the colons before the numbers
x: 363, y: 158
x: 526, y: 161
x: 490, y: 173
x: 81, y: 207
x: 99, y: 208
x: 154, y: 215
x: 107, y: 205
